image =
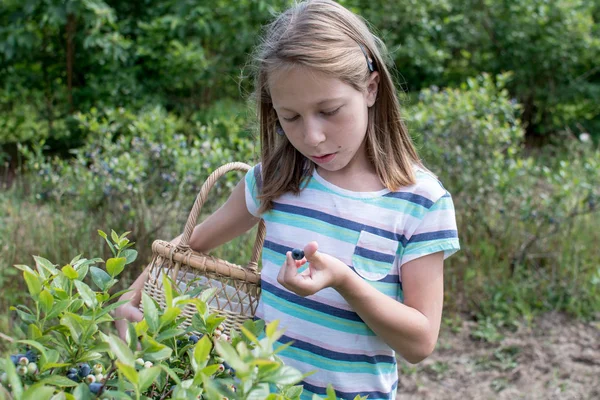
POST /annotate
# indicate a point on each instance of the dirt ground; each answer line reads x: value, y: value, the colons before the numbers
x: 555, y: 358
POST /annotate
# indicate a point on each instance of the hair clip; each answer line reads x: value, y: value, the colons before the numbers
x: 279, y: 129
x: 370, y: 63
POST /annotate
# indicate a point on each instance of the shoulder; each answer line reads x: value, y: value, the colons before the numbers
x: 427, y: 189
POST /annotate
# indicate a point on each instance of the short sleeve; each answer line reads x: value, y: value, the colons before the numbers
x: 253, y: 183
x: 436, y: 232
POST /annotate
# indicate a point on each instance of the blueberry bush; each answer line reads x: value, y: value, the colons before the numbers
x: 526, y: 220
x: 68, y: 349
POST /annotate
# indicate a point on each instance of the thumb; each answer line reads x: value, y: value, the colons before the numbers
x: 311, y: 252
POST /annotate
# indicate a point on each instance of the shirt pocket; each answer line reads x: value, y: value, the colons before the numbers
x: 374, y: 256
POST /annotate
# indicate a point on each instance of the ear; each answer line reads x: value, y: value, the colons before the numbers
x: 372, y: 87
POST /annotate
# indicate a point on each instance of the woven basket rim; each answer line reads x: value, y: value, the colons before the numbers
x: 203, y: 262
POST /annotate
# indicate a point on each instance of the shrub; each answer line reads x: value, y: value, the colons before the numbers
x: 69, y: 351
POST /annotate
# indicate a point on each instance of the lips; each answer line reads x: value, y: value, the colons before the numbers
x: 324, y: 158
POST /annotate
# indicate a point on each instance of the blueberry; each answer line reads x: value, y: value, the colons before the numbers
x: 95, y: 387
x: 297, y: 254
x: 84, y: 370
x: 228, y: 367
x: 74, y: 377
x: 72, y: 371
x: 194, y: 339
x: 15, y: 358
x: 31, y: 356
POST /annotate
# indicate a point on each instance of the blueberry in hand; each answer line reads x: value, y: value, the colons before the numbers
x: 297, y: 254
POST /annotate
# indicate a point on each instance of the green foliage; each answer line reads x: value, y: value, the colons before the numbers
x: 551, y: 47
x: 520, y: 215
x: 66, y: 331
x: 146, y: 165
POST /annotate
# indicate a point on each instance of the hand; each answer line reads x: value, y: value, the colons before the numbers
x: 124, y: 313
x: 323, y: 271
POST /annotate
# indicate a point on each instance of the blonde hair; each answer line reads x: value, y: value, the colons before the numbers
x: 324, y: 36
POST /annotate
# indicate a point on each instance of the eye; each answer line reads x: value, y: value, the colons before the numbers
x: 333, y: 112
x: 291, y: 119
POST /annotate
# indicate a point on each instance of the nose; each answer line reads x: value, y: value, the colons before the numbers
x: 313, y: 133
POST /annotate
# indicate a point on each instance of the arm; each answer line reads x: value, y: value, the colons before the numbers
x: 410, y: 328
x: 228, y: 222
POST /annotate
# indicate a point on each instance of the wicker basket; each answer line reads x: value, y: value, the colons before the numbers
x: 237, y: 287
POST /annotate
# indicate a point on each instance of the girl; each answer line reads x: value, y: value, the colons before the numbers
x: 340, y: 178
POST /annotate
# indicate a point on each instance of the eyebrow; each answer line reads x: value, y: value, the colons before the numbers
x: 318, y: 104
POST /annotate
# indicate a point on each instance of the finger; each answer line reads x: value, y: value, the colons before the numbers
x: 310, y: 251
x: 287, y: 265
x: 136, y: 315
x: 291, y: 268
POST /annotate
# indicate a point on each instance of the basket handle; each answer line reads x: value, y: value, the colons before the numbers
x: 201, y: 198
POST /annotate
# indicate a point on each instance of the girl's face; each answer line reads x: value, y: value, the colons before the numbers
x: 324, y: 118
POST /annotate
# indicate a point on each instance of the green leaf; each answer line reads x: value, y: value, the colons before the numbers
x: 120, y: 350
x: 129, y: 372
x: 33, y: 283
x: 147, y: 377
x: 227, y: 351
x: 48, y: 366
x: 249, y: 334
x: 115, y: 266
x: 150, y: 313
x: 89, y: 356
x: 35, y: 345
x: 213, y: 321
x: 271, y: 328
x: 171, y: 373
x: 207, y: 294
x: 169, y: 316
x: 201, y: 352
x: 74, y: 323
x: 44, y: 266
x: 109, y: 308
x: 158, y: 355
x: 293, y: 392
x: 58, y: 380
x: 168, y: 290
x: 132, y: 340
x: 114, y: 236
x: 59, y: 307
x: 101, y: 233
x: 169, y: 334
x: 331, y: 392
x: 49, y: 357
x: 69, y: 272
x: 82, y: 272
x: 13, y: 379
x: 100, y: 278
x: 88, y: 296
x: 130, y: 255
x: 82, y: 392
x: 38, y: 391
x: 123, y: 243
x: 24, y: 268
x: 284, y: 376
x: 33, y: 332
x: 46, y: 301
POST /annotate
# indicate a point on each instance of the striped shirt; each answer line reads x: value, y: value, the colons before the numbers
x: 374, y: 233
